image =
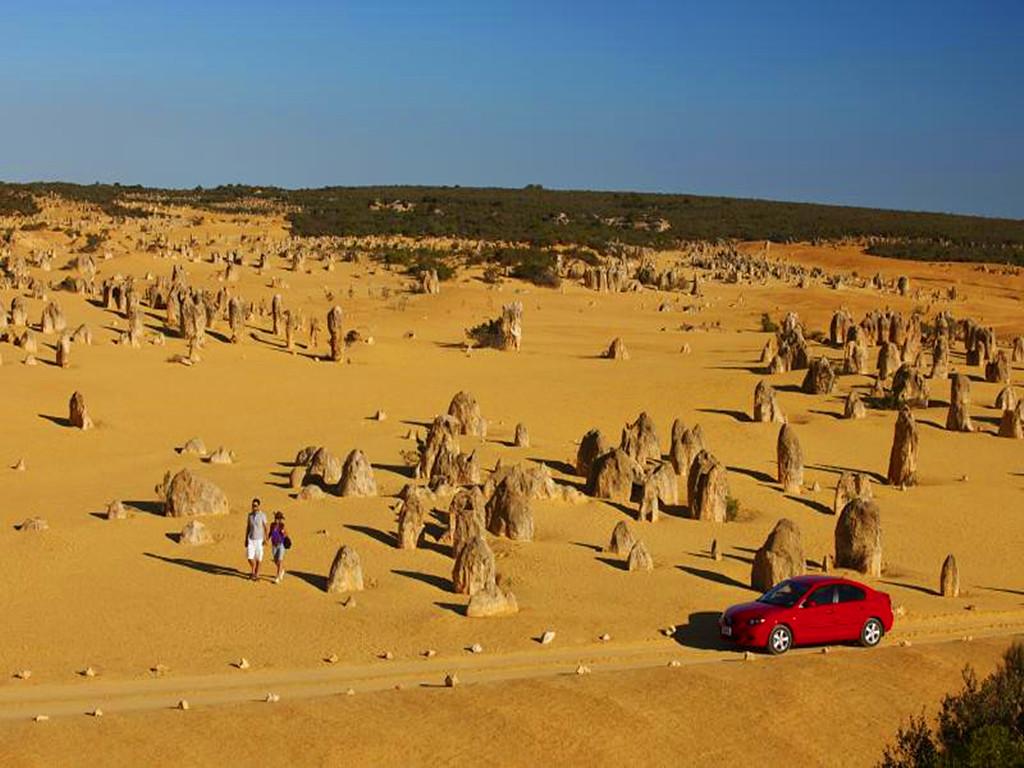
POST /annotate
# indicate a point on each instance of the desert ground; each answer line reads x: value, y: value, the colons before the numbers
x: 120, y: 616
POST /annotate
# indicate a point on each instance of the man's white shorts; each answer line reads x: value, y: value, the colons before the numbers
x: 254, y: 549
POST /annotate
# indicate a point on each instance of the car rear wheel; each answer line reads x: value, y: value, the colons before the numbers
x: 871, y: 633
x: 780, y: 640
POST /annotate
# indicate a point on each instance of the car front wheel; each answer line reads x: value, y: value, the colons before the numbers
x: 871, y: 634
x: 780, y: 640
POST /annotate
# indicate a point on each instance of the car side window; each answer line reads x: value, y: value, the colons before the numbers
x: 849, y: 593
x: 822, y: 596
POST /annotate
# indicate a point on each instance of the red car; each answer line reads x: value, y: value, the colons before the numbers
x: 808, y: 610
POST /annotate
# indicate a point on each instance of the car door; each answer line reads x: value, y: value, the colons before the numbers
x: 817, y: 617
x: 851, y: 610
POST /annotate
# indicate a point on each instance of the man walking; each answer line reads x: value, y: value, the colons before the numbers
x: 255, y: 534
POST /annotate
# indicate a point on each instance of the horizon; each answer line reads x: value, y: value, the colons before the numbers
x: 540, y: 187
x: 914, y: 108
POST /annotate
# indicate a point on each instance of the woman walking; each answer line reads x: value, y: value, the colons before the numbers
x: 279, y: 542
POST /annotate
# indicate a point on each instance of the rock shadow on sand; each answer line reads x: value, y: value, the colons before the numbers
x: 212, y: 569
x: 384, y: 537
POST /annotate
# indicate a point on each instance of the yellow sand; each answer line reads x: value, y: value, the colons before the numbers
x: 122, y: 596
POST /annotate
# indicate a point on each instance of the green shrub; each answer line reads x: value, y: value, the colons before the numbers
x: 732, y: 509
x: 767, y: 324
x: 983, y: 725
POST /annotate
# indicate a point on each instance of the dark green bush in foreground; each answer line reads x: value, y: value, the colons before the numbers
x: 982, y: 726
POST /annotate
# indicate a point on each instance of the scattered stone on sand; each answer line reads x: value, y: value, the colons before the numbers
x: 548, y: 637
x: 790, y: 458
x: 766, y: 404
x: 820, y: 378
x: 1011, y: 424
x: 858, y: 538
x: 998, y: 370
x: 639, y: 558
x: 466, y: 518
x: 504, y: 332
x: 473, y: 570
x: 451, y: 680
x: 622, y: 540
x: 193, y: 447
x: 909, y: 388
x: 649, y: 508
x: 640, y: 440
x: 357, y: 476
x: 591, y: 447
x: 78, y: 414
x: 781, y: 557
x: 851, y: 485
x: 335, y: 319
x: 716, y: 553
x: 412, y: 516
x: 903, y: 457
x: 19, y: 466
x: 221, y: 456
x: 707, y: 489
x: 1007, y: 399
x: 194, y: 534
x: 323, y: 468
x: 854, y: 408
x: 64, y: 350
x: 346, y: 574
x: 949, y: 578
x: 491, y: 602
x: 116, y: 510
x: 959, y: 417
x: 310, y: 493
x: 616, y: 350
x: 465, y: 410
x: 509, y: 512
x: 612, y: 476
x: 34, y: 524
x: 189, y: 495
x: 521, y: 438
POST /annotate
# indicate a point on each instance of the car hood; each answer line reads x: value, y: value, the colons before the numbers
x: 749, y: 610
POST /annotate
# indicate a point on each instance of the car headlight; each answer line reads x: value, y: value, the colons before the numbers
x: 755, y: 621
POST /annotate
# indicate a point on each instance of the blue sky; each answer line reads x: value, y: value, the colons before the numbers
x: 899, y: 104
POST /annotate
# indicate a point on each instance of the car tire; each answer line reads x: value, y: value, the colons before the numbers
x: 871, y: 633
x: 780, y: 640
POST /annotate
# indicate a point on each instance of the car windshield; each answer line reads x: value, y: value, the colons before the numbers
x: 785, y: 594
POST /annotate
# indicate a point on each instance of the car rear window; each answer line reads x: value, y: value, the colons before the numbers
x: 848, y: 593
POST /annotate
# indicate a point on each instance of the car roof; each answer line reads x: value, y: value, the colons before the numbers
x: 815, y: 580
